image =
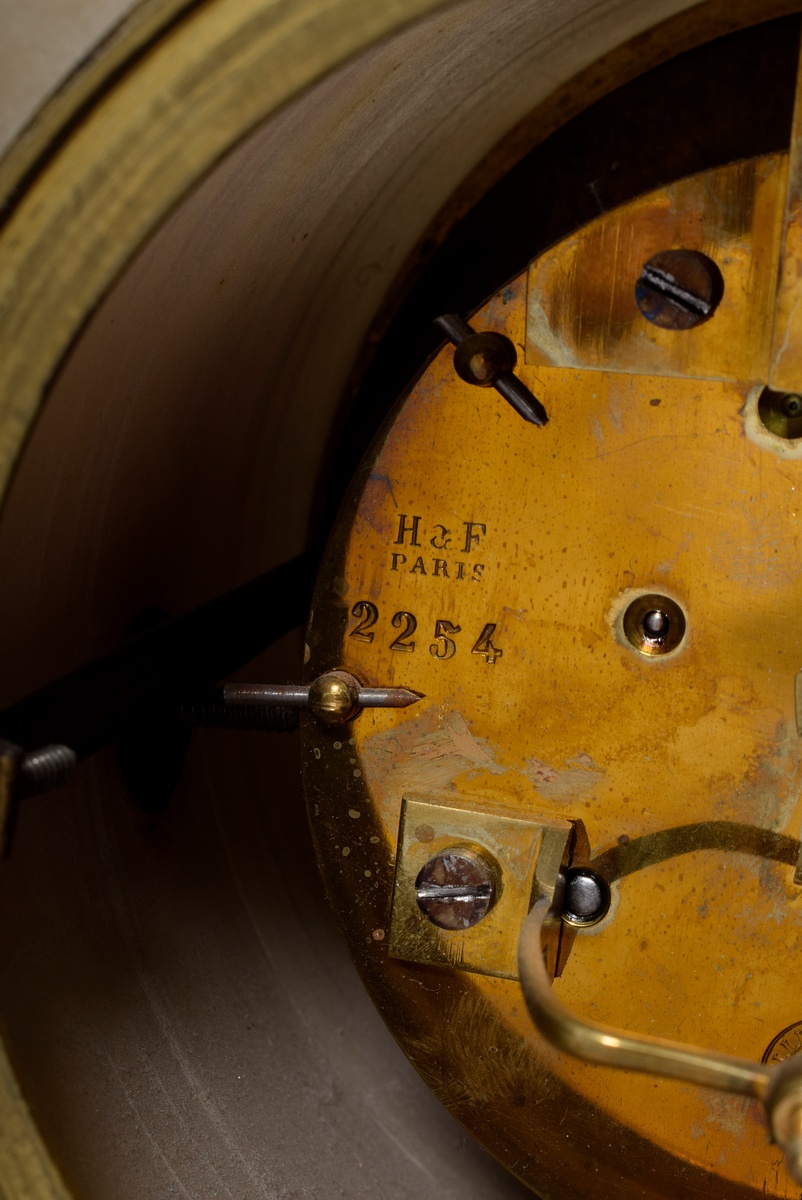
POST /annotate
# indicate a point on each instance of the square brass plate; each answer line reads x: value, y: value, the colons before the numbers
x: 527, y: 852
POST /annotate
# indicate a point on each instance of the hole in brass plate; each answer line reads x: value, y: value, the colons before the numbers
x: 781, y: 413
x: 654, y: 624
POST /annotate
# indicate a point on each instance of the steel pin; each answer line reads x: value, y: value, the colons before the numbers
x: 487, y: 360
x: 335, y: 697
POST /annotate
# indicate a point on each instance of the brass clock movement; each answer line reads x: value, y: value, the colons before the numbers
x: 549, y: 691
x: 577, y: 540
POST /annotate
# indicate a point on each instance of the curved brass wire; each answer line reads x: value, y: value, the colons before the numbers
x: 597, y: 1043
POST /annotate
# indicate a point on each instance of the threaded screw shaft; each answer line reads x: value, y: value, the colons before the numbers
x: 45, y: 768
x: 212, y: 713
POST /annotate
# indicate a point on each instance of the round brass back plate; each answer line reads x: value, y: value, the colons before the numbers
x: 488, y: 564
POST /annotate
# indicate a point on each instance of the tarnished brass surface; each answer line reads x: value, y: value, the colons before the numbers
x: 581, y: 304
x: 786, y: 360
x: 112, y: 177
x: 513, y: 553
x: 779, y: 1086
x: 595, y: 1043
x: 512, y: 843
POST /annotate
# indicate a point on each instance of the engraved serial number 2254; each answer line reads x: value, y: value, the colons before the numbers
x: 444, y: 644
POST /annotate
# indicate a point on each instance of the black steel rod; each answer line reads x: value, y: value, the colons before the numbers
x: 522, y: 400
x: 92, y: 706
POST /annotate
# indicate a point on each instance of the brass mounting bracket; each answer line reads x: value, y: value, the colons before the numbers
x: 525, y: 857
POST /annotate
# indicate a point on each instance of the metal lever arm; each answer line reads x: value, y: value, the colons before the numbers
x: 614, y: 1048
x: 780, y: 1089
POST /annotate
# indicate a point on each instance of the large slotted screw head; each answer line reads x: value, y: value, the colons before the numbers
x: 456, y: 888
x: 679, y: 289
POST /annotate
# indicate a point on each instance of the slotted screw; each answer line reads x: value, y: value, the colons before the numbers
x: 679, y: 289
x: 456, y: 888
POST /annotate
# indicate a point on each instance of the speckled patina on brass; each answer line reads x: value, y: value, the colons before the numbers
x: 466, y: 518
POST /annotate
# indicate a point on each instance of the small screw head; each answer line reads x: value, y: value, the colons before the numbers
x: 334, y: 697
x: 586, y: 899
x: 679, y: 289
x: 456, y: 888
x: 482, y: 357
